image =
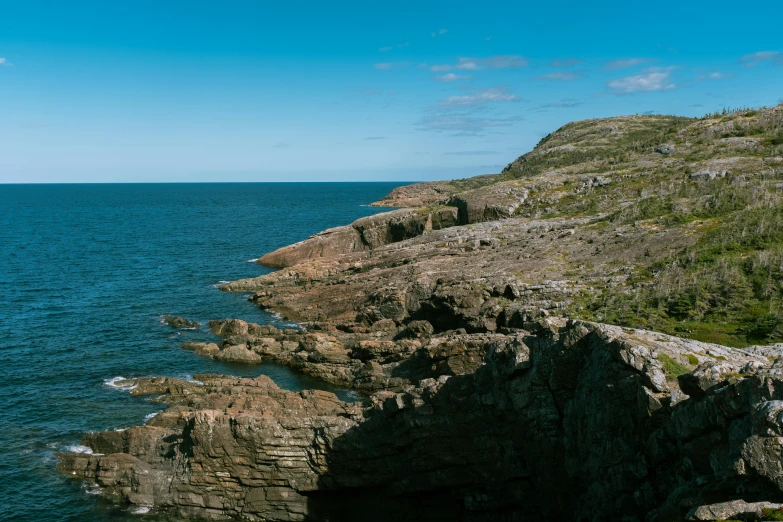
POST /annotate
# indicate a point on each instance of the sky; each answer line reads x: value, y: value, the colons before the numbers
x: 147, y: 91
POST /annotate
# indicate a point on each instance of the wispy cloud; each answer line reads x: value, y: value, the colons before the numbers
x: 488, y: 38
x: 281, y: 145
x: 478, y: 64
x: 564, y: 104
x: 560, y: 76
x: 751, y: 60
x: 651, y: 80
x: 472, y: 153
x: 375, y: 138
x: 566, y: 62
x: 388, y: 48
x: 625, y: 63
x: 451, y: 77
x: 482, y: 96
x: 461, y: 124
x: 439, y: 32
x: 384, y: 66
x: 4, y: 61
x: 712, y: 76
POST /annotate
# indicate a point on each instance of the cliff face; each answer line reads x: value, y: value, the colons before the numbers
x: 485, y: 398
x: 564, y: 421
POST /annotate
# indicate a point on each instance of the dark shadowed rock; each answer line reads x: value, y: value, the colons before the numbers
x: 179, y: 322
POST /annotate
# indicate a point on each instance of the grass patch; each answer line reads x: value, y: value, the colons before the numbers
x: 671, y: 366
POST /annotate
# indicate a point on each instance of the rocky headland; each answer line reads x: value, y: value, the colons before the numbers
x: 592, y: 334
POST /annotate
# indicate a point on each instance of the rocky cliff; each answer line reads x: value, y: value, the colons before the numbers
x: 475, y: 328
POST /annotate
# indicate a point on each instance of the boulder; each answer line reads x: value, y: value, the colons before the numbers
x: 239, y: 353
x: 179, y: 322
x: 205, y: 349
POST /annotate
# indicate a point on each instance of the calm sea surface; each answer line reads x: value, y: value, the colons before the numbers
x: 85, y: 273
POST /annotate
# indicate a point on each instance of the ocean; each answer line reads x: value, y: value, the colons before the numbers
x: 86, y: 273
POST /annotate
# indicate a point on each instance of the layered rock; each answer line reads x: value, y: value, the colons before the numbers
x: 364, y: 234
x: 571, y: 421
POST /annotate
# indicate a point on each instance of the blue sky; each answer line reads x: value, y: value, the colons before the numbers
x: 284, y: 91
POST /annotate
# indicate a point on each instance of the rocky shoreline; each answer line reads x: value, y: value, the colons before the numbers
x: 483, y: 399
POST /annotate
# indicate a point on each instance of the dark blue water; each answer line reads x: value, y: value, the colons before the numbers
x: 85, y: 273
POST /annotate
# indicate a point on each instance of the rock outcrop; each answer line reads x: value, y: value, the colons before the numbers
x: 364, y: 234
x: 179, y: 322
x: 569, y: 421
x: 484, y: 396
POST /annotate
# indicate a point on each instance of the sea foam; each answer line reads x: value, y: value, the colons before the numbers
x: 113, y: 383
x: 78, y: 448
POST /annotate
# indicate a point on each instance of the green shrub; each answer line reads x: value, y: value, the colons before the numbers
x: 671, y: 366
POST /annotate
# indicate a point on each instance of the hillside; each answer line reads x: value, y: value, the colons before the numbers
x: 714, y: 183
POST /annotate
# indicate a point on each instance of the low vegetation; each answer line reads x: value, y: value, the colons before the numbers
x: 718, y: 178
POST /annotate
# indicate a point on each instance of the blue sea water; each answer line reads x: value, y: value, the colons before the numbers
x: 85, y: 273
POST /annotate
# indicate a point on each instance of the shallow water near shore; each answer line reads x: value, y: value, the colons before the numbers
x: 87, y: 270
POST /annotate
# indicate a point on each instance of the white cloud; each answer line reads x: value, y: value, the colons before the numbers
x: 4, y: 61
x: 390, y: 65
x: 624, y: 63
x: 478, y: 64
x: 439, y: 32
x: 450, y: 77
x: 751, y: 60
x: 482, y: 96
x: 385, y: 49
x: 560, y: 76
x: 651, y: 80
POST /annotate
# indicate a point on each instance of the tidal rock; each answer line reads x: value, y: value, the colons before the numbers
x: 180, y: 322
x: 206, y: 349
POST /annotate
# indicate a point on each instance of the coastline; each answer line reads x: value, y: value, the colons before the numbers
x: 485, y: 401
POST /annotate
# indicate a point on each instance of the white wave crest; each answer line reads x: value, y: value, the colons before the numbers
x: 150, y: 416
x: 141, y: 510
x: 253, y: 260
x: 92, y: 489
x: 78, y: 448
x: 188, y: 377
x: 114, y: 383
